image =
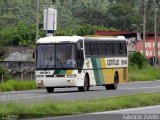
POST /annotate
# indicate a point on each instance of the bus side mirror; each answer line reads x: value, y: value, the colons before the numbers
x: 80, y: 59
x: 80, y: 52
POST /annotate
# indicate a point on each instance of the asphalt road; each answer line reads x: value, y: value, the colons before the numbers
x: 70, y: 94
x: 143, y: 113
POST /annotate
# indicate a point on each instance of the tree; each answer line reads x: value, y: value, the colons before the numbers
x: 137, y: 59
x: 122, y: 14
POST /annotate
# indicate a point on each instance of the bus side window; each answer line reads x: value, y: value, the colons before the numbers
x: 124, y: 49
x: 102, y: 49
x: 109, y: 49
x: 88, y: 49
x: 116, y: 49
x: 94, y: 49
x: 120, y: 49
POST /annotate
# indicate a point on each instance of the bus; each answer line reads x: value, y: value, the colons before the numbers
x: 98, y: 61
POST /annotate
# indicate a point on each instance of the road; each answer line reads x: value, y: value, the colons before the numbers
x: 143, y: 113
x: 70, y: 94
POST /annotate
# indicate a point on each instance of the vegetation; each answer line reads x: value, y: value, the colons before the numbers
x: 80, y: 17
x: 148, y: 73
x: 137, y: 59
x: 139, y: 70
x: 15, y: 85
x: 4, y: 75
x: 78, y: 107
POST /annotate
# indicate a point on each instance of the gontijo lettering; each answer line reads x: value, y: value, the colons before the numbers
x: 113, y: 62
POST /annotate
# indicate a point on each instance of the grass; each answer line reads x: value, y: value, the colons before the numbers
x: 148, y: 73
x: 15, y: 85
x: 55, y: 108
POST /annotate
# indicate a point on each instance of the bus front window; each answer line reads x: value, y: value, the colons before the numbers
x: 56, y: 56
x: 45, y: 56
x: 65, y: 56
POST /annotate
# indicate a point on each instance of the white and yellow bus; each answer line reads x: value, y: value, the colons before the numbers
x: 94, y: 61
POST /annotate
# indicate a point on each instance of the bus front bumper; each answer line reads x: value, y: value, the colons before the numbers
x: 59, y: 82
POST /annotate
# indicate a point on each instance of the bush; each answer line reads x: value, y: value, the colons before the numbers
x: 5, y: 74
x: 16, y: 85
x: 137, y: 59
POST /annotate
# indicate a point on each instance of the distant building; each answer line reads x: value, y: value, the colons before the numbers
x: 135, y: 41
x: 21, y: 56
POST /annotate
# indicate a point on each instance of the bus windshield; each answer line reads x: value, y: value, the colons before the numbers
x: 56, y: 56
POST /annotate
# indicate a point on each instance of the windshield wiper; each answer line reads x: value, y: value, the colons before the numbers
x: 50, y: 60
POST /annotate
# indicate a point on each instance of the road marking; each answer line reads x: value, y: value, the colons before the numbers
x: 144, y: 81
x: 141, y: 87
x: 127, y: 110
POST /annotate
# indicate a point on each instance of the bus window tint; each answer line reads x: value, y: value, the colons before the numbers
x: 109, y: 49
x: 116, y: 49
x: 94, y: 49
x: 124, y: 48
x: 88, y: 49
x: 102, y: 47
x: 120, y: 49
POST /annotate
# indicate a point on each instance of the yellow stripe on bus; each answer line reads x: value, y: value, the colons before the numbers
x: 104, y: 70
x: 69, y: 72
x: 108, y: 74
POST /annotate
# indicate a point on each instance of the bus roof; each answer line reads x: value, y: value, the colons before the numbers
x: 96, y: 37
x: 59, y: 39
x: 73, y: 39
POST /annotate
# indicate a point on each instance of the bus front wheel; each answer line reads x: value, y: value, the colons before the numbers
x: 86, y: 85
x: 50, y: 89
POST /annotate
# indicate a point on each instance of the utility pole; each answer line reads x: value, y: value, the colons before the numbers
x: 155, y: 34
x: 144, y: 28
x: 37, y: 19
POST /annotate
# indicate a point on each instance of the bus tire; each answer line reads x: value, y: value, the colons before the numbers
x: 50, y: 89
x: 86, y: 85
x: 116, y: 81
x: 108, y: 87
x: 115, y: 84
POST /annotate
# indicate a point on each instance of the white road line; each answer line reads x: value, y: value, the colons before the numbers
x: 140, y: 87
x: 127, y: 110
x: 144, y: 81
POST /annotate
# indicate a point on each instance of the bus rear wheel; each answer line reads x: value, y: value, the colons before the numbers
x: 115, y: 84
x: 116, y: 81
x: 86, y: 85
x: 50, y: 89
x: 108, y: 87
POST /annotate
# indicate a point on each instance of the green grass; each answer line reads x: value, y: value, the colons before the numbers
x: 15, y: 85
x: 148, y: 73
x: 55, y: 108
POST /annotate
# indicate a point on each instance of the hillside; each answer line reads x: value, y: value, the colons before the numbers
x: 17, y: 18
